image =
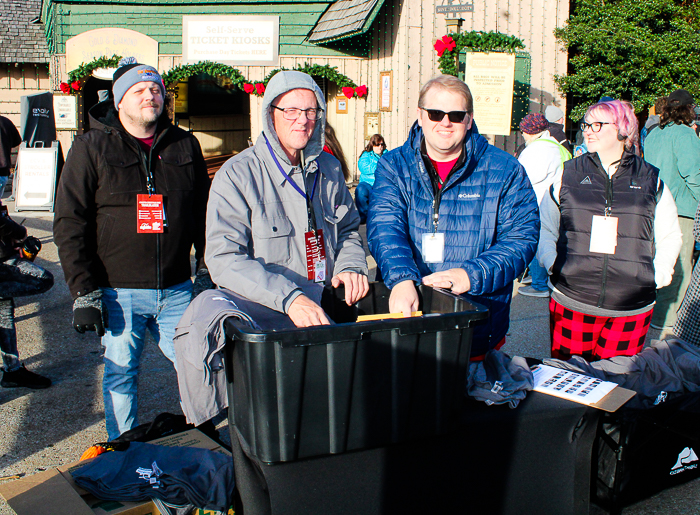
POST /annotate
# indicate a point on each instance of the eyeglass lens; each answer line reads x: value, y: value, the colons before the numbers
x: 436, y: 115
x: 293, y: 113
x: 595, y: 126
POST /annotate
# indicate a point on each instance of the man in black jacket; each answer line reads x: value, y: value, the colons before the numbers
x: 130, y: 205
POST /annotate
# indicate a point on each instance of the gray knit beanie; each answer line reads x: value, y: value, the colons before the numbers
x: 129, y: 73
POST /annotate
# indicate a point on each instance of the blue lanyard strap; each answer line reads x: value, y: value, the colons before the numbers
x: 289, y: 179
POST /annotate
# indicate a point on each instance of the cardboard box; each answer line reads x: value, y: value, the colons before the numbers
x: 55, y: 491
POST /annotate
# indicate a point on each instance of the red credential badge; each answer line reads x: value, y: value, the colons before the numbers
x: 315, y: 256
x: 149, y: 213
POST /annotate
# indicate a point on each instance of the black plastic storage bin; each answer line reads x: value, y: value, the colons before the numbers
x: 356, y: 385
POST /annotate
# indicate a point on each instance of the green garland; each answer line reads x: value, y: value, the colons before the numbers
x: 185, y: 71
x: 86, y: 69
x: 476, y: 41
x: 316, y: 70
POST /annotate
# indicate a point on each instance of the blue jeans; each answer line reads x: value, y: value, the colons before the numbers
x: 362, y: 194
x: 539, y: 276
x: 129, y: 313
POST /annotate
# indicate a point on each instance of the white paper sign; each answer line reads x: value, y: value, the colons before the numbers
x: 65, y: 109
x: 490, y: 79
x: 36, y: 177
x: 233, y: 40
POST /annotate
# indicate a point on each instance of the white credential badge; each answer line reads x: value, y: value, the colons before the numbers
x: 603, y: 234
x: 434, y: 247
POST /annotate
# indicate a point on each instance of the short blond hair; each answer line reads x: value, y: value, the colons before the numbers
x: 448, y: 83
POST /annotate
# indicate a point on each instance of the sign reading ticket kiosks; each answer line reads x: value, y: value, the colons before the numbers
x: 36, y: 177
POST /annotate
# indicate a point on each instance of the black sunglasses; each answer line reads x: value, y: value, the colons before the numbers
x: 435, y: 115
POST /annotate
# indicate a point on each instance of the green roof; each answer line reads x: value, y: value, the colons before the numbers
x: 345, y: 19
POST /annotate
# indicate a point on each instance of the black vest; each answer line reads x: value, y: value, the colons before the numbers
x: 623, y: 281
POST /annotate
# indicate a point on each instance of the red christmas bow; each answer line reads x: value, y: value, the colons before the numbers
x: 446, y: 43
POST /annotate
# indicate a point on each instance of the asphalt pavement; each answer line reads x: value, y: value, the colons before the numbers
x: 47, y: 428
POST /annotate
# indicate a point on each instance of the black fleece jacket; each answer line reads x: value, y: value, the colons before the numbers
x: 95, y: 227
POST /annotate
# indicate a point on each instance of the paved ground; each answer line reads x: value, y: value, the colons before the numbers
x: 43, y: 429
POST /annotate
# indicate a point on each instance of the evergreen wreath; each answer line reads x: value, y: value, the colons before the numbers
x: 449, y: 47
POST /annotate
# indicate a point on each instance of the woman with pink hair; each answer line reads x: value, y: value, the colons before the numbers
x: 609, y: 238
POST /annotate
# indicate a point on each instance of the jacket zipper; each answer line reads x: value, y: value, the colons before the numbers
x: 150, y: 188
x: 607, y: 211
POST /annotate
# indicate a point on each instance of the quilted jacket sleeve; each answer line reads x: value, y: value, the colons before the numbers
x: 515, y: 242
x: 387, y: 225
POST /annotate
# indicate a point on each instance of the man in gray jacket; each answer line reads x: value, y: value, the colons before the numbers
x: 281, y: 224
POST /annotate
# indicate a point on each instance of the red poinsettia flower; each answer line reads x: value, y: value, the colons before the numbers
x: 260, y: 88
x: 348, y: 92
x: 361, y: 91
x: 65, y: 87
x: 75, y: 85
x: 248, y: 88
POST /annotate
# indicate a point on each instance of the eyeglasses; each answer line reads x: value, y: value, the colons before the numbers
x: 595, y: 126
x: 293, y: 113
x: 435, y: 115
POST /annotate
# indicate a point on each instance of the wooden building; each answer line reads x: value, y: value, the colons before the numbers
x: 365, y: 40
x: 24, y: 55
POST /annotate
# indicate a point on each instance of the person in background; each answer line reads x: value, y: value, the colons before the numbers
x: 451, y: 211
x: 687, y: 326
x: 607, y: 244
x: 555, y: 117
x: 131, y: 204
x: 9, y: 139
x: 674, y: 149
x: 332, y: 146
x: 19, y: 277
x: 652, y: 121
x: 543, y: 159
x: 368, y: 165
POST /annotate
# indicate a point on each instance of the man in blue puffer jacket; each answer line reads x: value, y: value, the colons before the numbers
x: 452, y: 211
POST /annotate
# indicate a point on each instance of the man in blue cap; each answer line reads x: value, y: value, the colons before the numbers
x: 130, y: 205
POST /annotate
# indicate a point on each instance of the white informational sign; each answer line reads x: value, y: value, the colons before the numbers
x: 36, y: 178
x: 233, y: 40
x: 109, y: 41
x: 65, y: 110
x: 490, y: 78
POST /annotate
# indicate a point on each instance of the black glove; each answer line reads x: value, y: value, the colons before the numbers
x: 202, y: 282
x: 89, y: 314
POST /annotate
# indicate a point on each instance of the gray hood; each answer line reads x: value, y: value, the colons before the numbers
x: 279, y: 84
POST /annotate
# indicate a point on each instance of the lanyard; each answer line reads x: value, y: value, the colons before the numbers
x: 309, y: 207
